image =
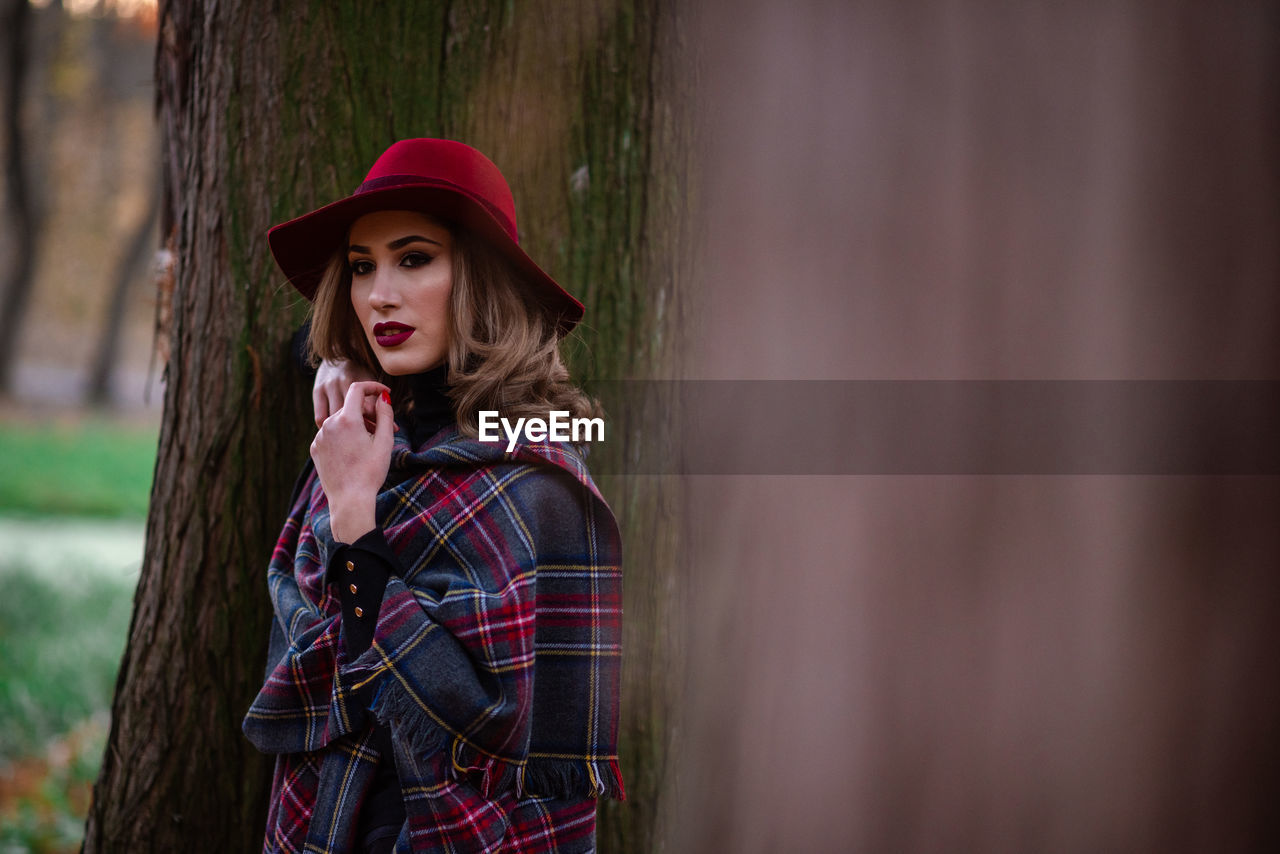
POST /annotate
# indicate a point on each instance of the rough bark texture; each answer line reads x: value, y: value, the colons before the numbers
x: 268, y: 111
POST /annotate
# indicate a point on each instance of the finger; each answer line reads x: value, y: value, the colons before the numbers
x: 354, y: 402
x: 357, y: 392
x: 382, y: 438
x: 334, y: 396
x: 339, y: 378
x: 359, y: 401
x: 320, y: 405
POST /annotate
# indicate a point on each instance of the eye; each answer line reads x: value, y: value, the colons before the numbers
x: 415, y: 259
x: 360, y: 266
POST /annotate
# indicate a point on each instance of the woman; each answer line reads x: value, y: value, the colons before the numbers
x: 444, y: 663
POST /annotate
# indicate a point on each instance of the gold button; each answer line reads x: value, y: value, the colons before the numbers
x: 351, y: 587
x: 351, y: 567
x: 359, y: 611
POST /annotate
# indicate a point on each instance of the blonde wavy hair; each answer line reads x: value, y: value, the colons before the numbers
x: 504, y: 350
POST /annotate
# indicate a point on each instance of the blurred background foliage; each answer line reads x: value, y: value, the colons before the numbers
x: 79, y: 406
x: 92, y: 467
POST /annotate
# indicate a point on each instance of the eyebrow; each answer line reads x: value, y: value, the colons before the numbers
x: 397, y: 243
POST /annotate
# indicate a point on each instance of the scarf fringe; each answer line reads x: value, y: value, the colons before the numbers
x: 560, y: 778
x: 566, y: 778
x: 407, y: 721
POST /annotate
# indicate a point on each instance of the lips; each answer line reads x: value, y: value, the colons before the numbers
x: 391, y: 334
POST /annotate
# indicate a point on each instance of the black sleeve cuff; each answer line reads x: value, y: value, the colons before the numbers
x: 360, y: 572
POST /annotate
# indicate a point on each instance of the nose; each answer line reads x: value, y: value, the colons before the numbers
x: 383, y: 293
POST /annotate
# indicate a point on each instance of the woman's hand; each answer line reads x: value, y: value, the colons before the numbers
x: 353, y: 460
x: 333, y: 379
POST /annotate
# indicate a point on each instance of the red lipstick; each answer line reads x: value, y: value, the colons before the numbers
x: 391, y: 334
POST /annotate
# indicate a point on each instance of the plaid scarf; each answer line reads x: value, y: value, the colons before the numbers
x: 496, y: 656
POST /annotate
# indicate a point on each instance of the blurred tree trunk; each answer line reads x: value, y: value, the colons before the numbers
x: 20, y: 207
x: 266, y: 113
x: 982, y: 662
x: 129, y: 272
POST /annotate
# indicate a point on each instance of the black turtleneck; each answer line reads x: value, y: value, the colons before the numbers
x: 432, y: 409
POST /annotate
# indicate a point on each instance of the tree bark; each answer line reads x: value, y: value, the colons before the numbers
x: 267, y: 112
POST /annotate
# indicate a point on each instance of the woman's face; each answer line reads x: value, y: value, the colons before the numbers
x: 401, y: 277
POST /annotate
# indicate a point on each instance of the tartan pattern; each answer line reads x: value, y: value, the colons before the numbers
x: 495, y: 659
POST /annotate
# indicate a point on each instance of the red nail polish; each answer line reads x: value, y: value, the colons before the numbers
x: 386, y: 398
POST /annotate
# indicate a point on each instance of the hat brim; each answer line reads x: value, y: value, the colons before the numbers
x: 303, y: 246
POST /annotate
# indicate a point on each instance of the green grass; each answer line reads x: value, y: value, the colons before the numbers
x: 62, y: 646
x: 68, y: 585
x: 85, y: 468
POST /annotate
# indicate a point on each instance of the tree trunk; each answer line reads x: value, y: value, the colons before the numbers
x: 20, y: 207
x: 129, y: 272
x: 988, y: 661
x: 267, y: 112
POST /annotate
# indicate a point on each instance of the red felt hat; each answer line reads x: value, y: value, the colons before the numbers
x: 438, y: 177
